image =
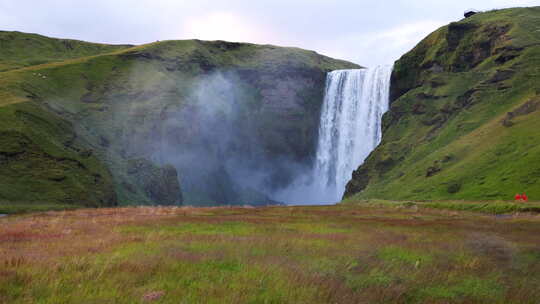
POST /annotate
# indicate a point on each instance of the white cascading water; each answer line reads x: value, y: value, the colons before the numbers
x: 350, y: 127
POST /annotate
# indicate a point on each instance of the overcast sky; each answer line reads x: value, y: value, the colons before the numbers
x: 366, y: 32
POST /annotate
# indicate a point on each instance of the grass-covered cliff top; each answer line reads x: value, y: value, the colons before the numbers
x: 36, y: 54
x: 21, y: 49
x: 464, y: 114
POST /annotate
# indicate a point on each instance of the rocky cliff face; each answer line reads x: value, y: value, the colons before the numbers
x: 209, y: 116
x: 236, y: 120
x: 450, y: 132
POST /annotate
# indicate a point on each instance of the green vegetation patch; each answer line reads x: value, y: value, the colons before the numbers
x: 485, y: 207
x: 400, y: 255
x: 18, y: 50
x: 489, y: 207
x: 472, y: 288
x: 19, y: 208
x: 314, y: 227
x: 373, y: 278
x: 225, y: 228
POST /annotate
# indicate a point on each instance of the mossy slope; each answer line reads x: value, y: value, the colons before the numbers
x: 464, y: 115
x: 19, y: 50
x: 42, y: 160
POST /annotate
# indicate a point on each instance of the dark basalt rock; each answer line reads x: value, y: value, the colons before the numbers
x: 471, y: 54
x: 67, y: 44
x: 466, y: 99
x: 456, y: 32
x: 360, y: 180
x: 419, y: 108
x: 385, y: 164
x: 434, y: 120
x: 225, y: 45
x: 454, y: 188
x: 432, y: 171
x: 161, y: 184
x: 423, y: 95
x: 435, y: 83
x: 527, y: 108
x: 508, y: 54
x: 501, y: 75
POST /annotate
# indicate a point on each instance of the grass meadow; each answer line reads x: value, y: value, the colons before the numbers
x: 379, y: 252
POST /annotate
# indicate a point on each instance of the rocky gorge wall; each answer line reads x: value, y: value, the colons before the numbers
x: 196, y: 121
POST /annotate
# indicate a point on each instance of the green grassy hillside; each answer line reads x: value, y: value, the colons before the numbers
x: 464, y: 119
x: 92, y: 130
x: 21, y: 50
x: 42, y: 160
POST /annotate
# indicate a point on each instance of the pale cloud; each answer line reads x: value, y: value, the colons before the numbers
x: 382, y: 47
x: 224, y: 26
x: 398, y: 40
x: 498, y: 4
x: 403, y: 35
x: 368, y: 32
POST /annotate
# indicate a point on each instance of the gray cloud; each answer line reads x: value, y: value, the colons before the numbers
x: 365, y: 32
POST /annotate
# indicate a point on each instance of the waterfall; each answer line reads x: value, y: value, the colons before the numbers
x: 350, y: 126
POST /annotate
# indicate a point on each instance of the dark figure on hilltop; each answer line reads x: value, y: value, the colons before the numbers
x: 469, y: 13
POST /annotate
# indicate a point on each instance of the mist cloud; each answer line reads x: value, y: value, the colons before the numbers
x: 213, y: 141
